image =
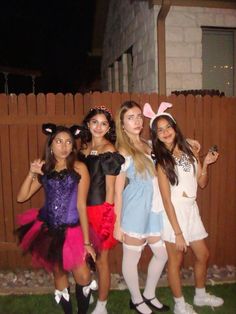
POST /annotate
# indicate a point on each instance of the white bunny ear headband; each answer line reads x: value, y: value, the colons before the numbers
x: 149, y: 113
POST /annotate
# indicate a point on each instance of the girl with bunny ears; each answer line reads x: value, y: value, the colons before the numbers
x: 179, y: 172
x: 57, y: 235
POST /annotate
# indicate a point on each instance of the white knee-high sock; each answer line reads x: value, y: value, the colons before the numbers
x: 131, y: 256
x: 155, y: 268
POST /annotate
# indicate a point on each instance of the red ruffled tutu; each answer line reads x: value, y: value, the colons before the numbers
x: 63, y: 246
x: 102, y: 218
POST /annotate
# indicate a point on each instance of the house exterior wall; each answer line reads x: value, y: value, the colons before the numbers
x: 184, y: 43
x: 133, y: 24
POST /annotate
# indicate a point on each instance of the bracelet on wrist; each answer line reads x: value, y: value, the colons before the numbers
x: 32, y: 175
x: 88, y: 244
x: 178, y: 233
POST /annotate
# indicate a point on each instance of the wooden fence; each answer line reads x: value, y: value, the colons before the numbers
x: 211, y: 120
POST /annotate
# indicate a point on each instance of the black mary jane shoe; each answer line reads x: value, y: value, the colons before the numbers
x: 133, y: 306
x: 164, y: 307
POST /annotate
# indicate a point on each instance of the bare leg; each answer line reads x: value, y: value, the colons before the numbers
x: 60, y: 278
x: 82, y: 275
x: 104, y: 276
x: 104, y: 279
x: 175, y: 259
x: 202, y: 298
x: 201, y: 253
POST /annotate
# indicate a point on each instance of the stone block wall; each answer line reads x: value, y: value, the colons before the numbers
x: 131, y: 29
x: 184, y: 43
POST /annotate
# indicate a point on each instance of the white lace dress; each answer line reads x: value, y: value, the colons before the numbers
x: 183, y: 197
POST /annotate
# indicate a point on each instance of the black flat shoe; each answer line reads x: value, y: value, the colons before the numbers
x: 164, y: 307
x: 133, y: 306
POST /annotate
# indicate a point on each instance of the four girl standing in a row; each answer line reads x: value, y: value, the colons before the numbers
x: 138, y: 206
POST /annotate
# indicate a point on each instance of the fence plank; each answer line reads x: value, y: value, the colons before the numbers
x: 60, y: 104
x: 87, y: 102
x: 69, y: 105
x: 3, y: 202
x: 79, y: 107
x: 51, y: 104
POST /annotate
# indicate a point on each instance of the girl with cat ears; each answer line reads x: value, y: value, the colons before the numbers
x: 58, y: 235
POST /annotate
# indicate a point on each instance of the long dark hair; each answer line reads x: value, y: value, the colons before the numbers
x: 164, y: 156
x: 49, y: 158
x: 86, y: 136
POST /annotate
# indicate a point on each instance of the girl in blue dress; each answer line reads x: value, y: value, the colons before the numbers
x: 139, y: 209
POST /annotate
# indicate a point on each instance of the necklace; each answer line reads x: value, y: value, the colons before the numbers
x: 183, y: 161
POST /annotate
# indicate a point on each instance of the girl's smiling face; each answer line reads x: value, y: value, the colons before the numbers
x: 98, y: 125
x: 165, y: 132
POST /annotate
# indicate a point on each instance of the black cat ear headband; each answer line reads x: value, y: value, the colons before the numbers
x: 50, y: 129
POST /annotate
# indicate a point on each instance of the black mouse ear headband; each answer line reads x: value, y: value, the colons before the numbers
x: 50, y: 129
x: 75, y: 130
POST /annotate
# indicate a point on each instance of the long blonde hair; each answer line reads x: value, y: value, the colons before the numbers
x: 142, y: 162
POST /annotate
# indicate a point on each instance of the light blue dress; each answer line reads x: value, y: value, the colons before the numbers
x: 142, y: 206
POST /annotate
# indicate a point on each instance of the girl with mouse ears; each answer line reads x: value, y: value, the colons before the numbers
x: 57, y: 235
x: 179, y: 172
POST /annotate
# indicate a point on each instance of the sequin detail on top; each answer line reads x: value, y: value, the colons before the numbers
x: 183, y: 161
x: 60, y: 198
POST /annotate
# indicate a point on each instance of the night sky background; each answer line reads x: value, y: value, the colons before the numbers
x: 50, y: 36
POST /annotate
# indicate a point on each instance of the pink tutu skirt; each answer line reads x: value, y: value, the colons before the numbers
x: 50, y: 247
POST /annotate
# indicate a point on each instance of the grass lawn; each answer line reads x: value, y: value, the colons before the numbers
x: 118, y: 302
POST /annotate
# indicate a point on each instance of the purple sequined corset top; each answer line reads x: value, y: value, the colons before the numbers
x: 60, y: 206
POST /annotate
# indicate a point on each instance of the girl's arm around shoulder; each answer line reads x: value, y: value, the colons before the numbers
x: 119, y: 187
x: 82, y: 170
x: 164, y: 185
x: 110, y: 178
x: 83, y: 188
